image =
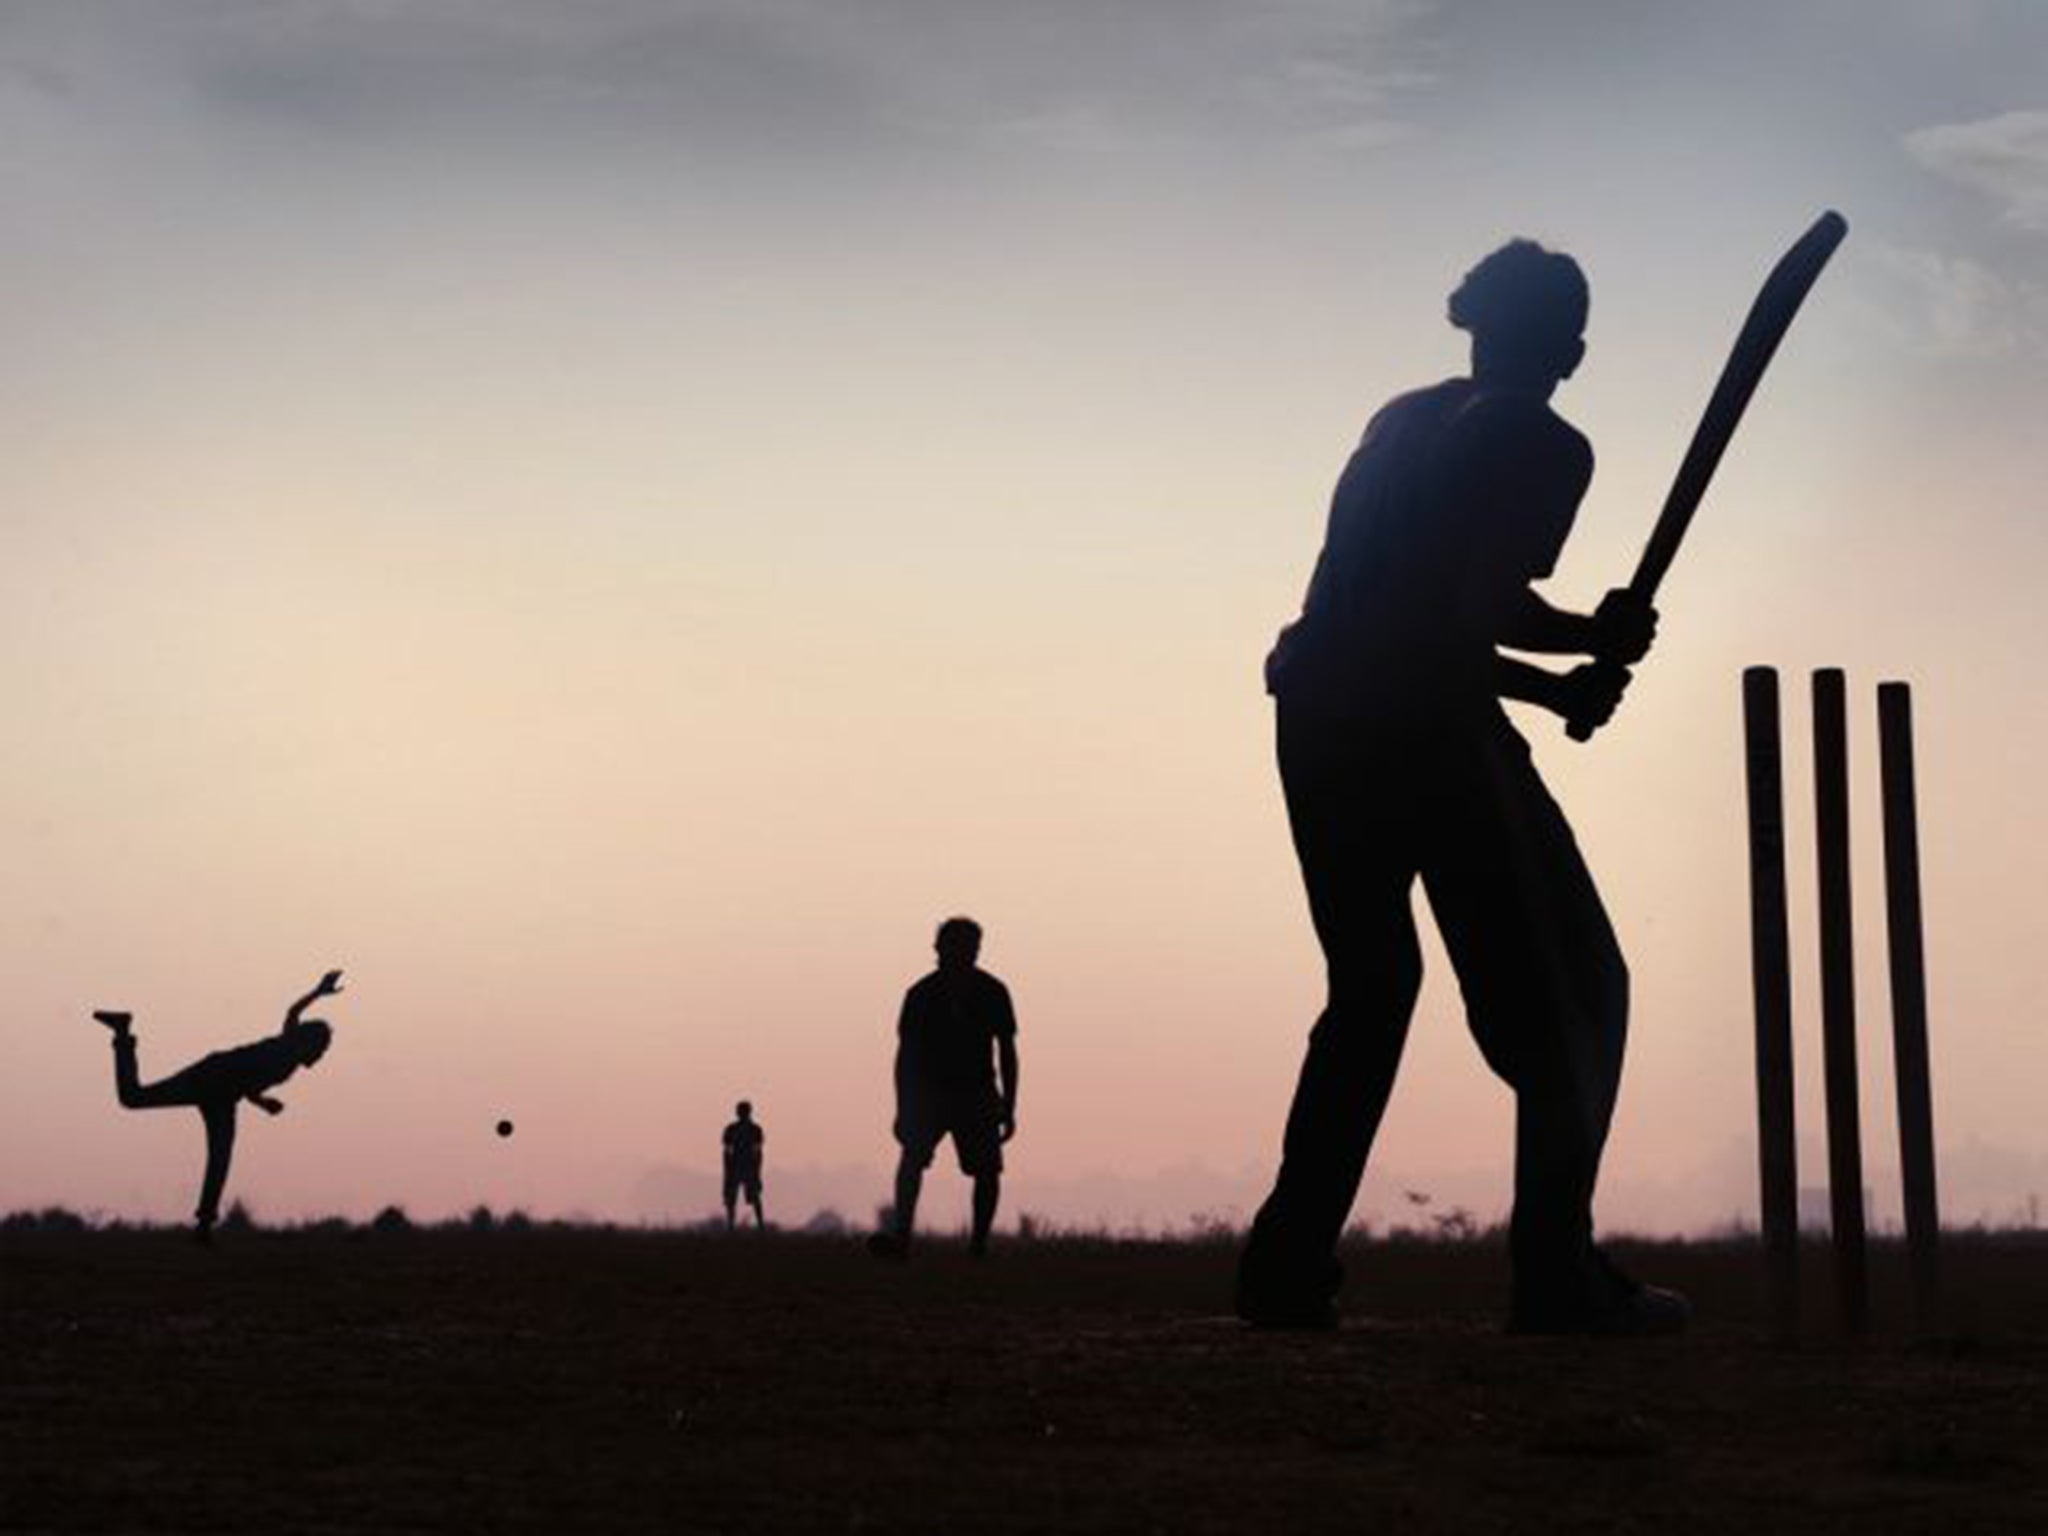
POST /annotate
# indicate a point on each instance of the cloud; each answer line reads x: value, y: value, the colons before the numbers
x: 1149, y: 69
x: 2005, y: 157
x: 1953, y: 306
x: 831, y: 74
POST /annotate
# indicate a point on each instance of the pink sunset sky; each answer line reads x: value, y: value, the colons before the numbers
x: 607, y: 522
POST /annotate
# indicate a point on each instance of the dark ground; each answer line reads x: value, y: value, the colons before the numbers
x: 550, y: 1380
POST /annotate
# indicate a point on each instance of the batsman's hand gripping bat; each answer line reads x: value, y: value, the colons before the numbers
x: 1769, y: 318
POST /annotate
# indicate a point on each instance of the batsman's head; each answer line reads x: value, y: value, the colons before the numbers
x: 1526, y: 310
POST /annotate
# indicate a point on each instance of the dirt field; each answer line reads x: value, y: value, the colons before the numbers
x: 623, y: 1382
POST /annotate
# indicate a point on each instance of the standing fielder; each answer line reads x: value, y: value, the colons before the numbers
x: 740, y: 1146
x: 956, y: 1076
x: 1398, y: 763
x: 216, y: 1085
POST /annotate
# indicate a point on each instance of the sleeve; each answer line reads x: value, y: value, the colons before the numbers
x: 1559, y: 486
x: 1004, y: 1014
x: 1515, y: 473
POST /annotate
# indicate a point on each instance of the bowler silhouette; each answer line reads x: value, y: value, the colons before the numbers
x: 216, y: 1085
x: 1397, y: 763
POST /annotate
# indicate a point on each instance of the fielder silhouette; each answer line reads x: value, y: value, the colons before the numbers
x: 741, y: 1145
x: 956, y: 1075
x: 216, y: 1085
x: 1398, y: 763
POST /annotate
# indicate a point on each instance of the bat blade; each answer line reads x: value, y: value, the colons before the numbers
x: 1777, y: 302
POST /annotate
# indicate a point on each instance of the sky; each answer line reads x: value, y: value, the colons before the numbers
x: 607, y: 521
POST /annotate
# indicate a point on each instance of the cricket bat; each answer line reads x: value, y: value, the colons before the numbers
x: 1769, y: 318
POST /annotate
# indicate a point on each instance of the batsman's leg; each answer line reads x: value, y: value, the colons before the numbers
x: 1546, y: 991
x: 1348, y: 831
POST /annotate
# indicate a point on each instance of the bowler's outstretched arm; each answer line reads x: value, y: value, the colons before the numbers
x: 327, y: 986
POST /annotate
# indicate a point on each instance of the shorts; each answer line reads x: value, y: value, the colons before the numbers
x: 973, y: 1117
x: 747, y: 1184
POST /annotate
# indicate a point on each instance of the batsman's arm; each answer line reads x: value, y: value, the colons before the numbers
x: 1619, y: 631
x: 1526, y: 682
x: 1588, y: 692
x: 1535, y: 625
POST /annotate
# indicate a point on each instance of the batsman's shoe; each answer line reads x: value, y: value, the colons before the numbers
x: 1282, y: 1303
x: 1649, y: 1311
x: 1287, y: 1314
x: 1604, y: 1304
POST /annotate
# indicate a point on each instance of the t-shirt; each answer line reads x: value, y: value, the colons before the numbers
x: 1456, y: 498
x: 249, y: 1069
x: 949, y: 1027
x: 743, y: 1140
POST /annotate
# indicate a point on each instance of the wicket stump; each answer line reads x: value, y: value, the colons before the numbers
x: 1771, y: 971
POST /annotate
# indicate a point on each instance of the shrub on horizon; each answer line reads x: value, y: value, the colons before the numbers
x: 1212, y: 1227
x: 51, y: 1218
x: 1454, y: 1226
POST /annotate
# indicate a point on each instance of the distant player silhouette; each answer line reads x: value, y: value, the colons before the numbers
x: 216, y: 1085
x: 956, y: 1075
x: 1398, y: 763
x: 743, y: 1143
